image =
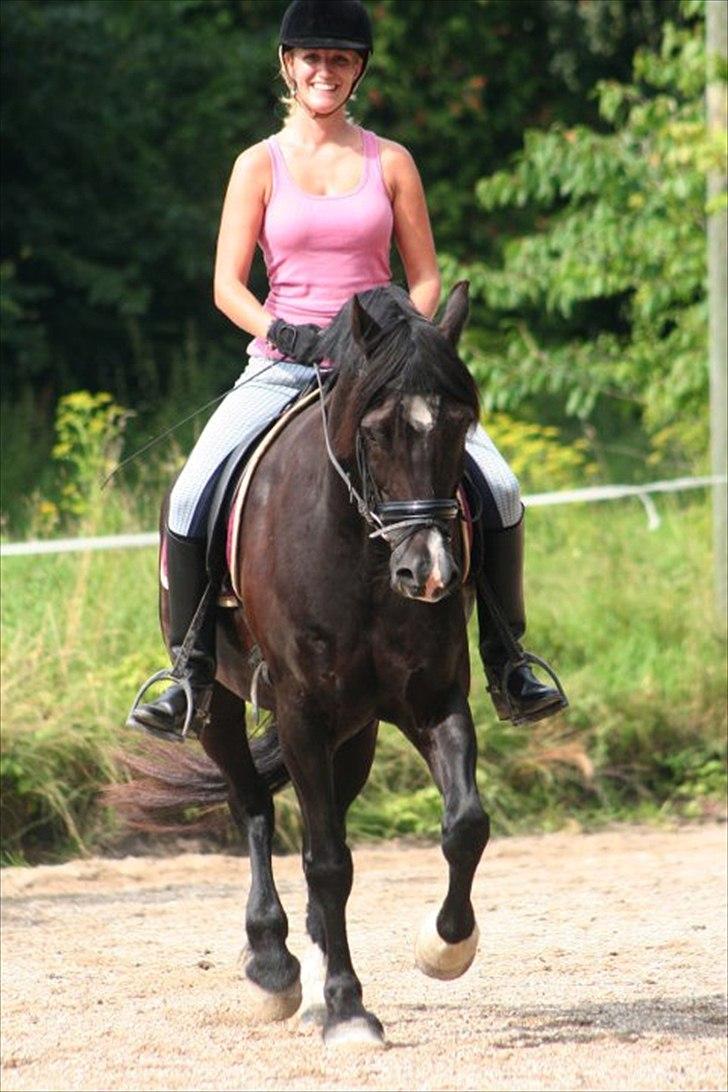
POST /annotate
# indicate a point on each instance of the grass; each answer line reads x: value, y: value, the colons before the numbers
x: 625, y: 614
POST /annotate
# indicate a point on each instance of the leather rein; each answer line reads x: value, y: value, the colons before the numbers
x: 394, y: 521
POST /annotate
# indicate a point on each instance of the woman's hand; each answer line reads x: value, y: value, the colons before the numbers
x: 299, y: 343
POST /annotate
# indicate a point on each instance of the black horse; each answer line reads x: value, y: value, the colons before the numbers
x: 350, y: 565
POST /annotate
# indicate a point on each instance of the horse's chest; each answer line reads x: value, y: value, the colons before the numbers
x: 415, y: 676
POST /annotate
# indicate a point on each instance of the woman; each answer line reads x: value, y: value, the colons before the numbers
x: 323, y: 199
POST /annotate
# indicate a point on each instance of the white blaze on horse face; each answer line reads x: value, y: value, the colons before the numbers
x: 422, y: 410
x: 438, y: 560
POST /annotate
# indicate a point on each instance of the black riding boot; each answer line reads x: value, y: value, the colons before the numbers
x: 187, y: 573
x: 527, y: 699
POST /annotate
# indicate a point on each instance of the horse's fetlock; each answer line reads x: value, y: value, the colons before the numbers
x: 274, y: 970
x: 266, y: 924
x: 343, y: 994
x: 455, y: 925
x: 466, y: 835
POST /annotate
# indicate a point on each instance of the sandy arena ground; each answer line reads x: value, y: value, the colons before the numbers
x: 602, y: 965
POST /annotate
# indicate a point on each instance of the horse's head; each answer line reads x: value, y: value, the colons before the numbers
x: 412, y: 402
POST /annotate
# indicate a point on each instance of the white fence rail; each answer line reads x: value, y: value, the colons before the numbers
x: 534, y: 500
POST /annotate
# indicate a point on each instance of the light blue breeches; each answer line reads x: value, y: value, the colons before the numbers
x: 258, y: 397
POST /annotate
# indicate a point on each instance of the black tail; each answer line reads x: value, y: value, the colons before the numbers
x: 167, y: 780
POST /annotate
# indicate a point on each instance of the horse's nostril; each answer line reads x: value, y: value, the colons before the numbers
x: 406, y: 576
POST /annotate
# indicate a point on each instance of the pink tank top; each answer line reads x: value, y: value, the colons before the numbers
x: 320, y: 250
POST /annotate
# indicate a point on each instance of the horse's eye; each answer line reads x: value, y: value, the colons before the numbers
x: 375, y: 434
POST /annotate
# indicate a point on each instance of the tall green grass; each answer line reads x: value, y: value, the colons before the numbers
x: 625, y: 614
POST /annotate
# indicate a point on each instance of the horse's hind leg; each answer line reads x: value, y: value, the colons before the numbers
x: 352, y: 763
x: 273, y: 985
x: 448, y: 939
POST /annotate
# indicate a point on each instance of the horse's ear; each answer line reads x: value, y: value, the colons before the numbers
x: 363, y: 326
x: 456, y: 312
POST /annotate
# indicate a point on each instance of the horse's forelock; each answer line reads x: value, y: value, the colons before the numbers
x: 414, y: 357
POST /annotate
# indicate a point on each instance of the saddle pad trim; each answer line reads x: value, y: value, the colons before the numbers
x: 241, y: 489
x: 466, y: 527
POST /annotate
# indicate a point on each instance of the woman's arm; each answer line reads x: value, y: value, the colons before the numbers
x: 412, y: 231
x: 240, y: 223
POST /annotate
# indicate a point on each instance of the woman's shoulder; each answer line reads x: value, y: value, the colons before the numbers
x: 398, y: 165
x: 394, y: 155
x: 252, y: 169
x: 252, y: 158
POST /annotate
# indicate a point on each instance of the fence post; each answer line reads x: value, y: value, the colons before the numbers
x: 716, y: 24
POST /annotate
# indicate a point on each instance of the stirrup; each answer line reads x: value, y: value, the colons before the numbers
x: 186, y: 687
x: 524, y: 659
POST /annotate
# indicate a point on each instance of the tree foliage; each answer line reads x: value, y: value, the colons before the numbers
x: 604, y: 297
x: 121, y: 119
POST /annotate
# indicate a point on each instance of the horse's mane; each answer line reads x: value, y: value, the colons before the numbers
x: 410, y: 356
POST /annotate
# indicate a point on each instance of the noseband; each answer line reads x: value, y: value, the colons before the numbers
x: 397, y: 520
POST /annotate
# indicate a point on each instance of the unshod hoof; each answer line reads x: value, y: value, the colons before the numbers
x: 438, y: 959
x: 360, y: 1032
x: 264, y: 1007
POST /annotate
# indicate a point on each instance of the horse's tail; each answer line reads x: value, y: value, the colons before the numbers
x: 167, y: 781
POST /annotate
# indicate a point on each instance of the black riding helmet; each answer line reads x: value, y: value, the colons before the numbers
x: 327, y: 24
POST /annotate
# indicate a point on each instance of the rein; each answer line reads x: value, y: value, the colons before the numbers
x: 394, y: 521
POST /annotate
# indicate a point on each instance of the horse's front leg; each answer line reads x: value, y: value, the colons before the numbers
x: 272, y: 974
x: 327, y: 864
x: 448, y: 938
x: 352, y: 763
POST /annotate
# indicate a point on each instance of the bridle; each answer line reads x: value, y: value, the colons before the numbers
x: 394, y: 521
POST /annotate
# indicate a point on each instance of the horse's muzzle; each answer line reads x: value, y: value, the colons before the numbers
x: 423, y: 567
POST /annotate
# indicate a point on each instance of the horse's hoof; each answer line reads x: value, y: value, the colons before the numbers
x: 360, y: 1032
x: 265, y: 1007
x: 438, y: 959
x: 312, y: 1019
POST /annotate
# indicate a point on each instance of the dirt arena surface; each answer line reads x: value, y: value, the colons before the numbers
x: 602, y: 965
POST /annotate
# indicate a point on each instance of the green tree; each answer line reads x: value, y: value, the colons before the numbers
x: 121, y: 119
x: 604, y: 298
x: 118, y: 123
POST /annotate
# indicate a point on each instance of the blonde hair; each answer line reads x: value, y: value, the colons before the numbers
x: 288, y: 98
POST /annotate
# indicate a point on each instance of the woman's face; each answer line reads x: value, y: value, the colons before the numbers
x: 323, y: 77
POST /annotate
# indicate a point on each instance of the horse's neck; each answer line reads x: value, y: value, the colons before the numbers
x: 342, y: 427
x: 337, y: 516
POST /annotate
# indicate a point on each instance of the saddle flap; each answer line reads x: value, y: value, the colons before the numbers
x: 239, y: 485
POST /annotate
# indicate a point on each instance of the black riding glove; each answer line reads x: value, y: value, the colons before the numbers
x: 299, y: 343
